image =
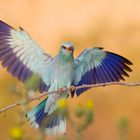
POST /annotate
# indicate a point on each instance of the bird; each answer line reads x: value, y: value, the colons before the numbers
x: 22, y: 57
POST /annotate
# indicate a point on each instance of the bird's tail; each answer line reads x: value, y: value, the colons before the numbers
x: 50, y: 121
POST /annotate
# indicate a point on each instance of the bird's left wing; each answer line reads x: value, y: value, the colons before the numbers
x: 95, y: 65
x: 20, y: 54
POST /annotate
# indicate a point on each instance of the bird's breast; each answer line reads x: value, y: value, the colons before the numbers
x: 62, y: 75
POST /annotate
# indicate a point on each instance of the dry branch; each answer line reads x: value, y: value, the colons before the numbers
x: 128, y: 84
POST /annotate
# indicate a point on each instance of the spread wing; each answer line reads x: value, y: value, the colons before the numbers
x: 95, y: 65
x: 20, y: 54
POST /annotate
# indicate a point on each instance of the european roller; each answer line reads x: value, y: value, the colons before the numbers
x: 22, y: 57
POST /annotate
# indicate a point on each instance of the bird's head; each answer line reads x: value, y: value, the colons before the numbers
x: 67, y: 47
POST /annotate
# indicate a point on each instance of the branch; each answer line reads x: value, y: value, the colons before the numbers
x: 128, y: 84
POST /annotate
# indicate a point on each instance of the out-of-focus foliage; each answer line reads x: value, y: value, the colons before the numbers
x: 85, y: 115
x: 16, y: 133
x: 123, y: 127
x: 83, y: 118
x: 33, y: 82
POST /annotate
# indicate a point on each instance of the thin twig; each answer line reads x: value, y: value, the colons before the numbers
x: 128, y: 84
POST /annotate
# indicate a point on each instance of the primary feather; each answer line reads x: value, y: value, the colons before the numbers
x: 95, y: 66
x: 20, y: 54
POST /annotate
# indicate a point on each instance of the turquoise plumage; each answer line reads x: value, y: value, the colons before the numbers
x: 22, y: 57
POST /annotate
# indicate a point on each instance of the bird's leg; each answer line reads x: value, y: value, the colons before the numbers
x: 72, y: 90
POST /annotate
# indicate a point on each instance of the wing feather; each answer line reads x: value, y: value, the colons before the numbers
x: 95, y: 65
x: 20, y: 54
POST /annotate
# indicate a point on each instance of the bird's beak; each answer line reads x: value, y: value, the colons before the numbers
x: 69, y: 49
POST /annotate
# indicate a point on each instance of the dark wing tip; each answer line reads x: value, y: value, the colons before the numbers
x: 100, y: 48
x: 2, y: 22
x: 125, y: 60
x: 122, y: 61
x: 127, y: 68
x: 129, y: 62
x: 5, y: 26
x: 21, y: 28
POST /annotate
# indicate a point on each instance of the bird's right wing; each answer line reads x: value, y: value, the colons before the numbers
x: 20, y: 54
x: 96, y: 65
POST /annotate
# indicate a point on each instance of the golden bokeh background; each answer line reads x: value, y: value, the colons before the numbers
x: 114, y: 25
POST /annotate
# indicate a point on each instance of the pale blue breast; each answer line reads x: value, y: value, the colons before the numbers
x: 61, y: 74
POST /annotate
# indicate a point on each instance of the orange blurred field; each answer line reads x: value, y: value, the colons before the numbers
x: 114, y: 25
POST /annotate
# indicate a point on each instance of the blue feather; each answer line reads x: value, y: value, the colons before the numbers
x: 110, y: 69
x: 43, y: 87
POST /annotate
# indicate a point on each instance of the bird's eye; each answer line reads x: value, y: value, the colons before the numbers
x: 63, y: 47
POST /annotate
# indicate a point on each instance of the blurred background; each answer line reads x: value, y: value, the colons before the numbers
x: 113, y: 25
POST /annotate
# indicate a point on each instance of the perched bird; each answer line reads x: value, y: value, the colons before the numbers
x: 23, y: 57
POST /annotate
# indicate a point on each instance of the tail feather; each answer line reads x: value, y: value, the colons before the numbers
x: 36, y: 109
x: 56, y: 125
x: 36, y: 114
x: 52, y: 124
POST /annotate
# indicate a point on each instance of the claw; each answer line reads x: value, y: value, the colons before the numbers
x: 72, y: 90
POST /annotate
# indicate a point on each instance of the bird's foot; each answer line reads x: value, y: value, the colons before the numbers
x: 72, y: 90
